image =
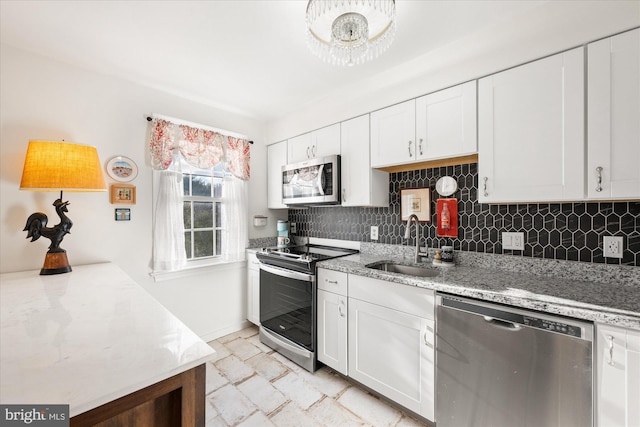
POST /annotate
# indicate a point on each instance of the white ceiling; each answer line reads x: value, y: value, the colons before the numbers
x: 244, y: 56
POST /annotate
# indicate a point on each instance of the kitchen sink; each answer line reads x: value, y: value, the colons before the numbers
x: 411, y: 270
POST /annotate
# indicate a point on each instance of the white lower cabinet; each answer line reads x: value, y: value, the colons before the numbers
x: 617, y: 364
x: 391, y: 341
x: 332, y: 330
x: 332, y: 319
x: 253, y: 288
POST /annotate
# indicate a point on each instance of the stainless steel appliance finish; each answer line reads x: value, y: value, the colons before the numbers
x: 288, y: 299
x: 312, y: 182
x: 501, y: 366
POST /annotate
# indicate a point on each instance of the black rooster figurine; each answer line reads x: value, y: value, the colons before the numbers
x: 56, y: 259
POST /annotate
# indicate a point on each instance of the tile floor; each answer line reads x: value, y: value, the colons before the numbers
x: 248, y: 384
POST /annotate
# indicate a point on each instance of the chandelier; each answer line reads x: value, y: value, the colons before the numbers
x: 349, y: 32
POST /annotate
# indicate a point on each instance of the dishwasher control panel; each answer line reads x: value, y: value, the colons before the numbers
x: 553, y: 326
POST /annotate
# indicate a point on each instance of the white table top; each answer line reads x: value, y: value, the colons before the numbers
x: 86, y: 338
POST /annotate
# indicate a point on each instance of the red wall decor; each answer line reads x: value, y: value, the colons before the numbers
x: 447, y: 211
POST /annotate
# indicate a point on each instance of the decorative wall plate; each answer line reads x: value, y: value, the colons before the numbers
x: 122, y: 169
x: 446, y: 186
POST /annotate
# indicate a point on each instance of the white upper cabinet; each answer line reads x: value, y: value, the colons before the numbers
x: 446, y: 123
x: 613, y: 117
x: 319, y: 143
x: 299, y: 148
x: 531, y: 131
x: 276, y: 158
x: 361, y: 185
x: 393, y: 135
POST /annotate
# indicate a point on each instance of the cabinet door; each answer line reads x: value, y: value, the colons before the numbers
x: 276, y: 158
x: 392, y: 352
x: 253, y: 288
x: 446, y: 123
x: 332, y: 330
x: 393, y: 131
x: 613, y: 112
x: 361, y: 185
x: 618, y: 377
x: 299, y: 148
x: 325, y: 141
x: 531, y: 131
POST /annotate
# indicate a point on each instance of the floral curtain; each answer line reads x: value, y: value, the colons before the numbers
x: 161, y: 144
x: 239, y: 158
x: 201, y: 148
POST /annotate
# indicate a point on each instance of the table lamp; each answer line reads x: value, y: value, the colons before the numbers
x: 58, y: 166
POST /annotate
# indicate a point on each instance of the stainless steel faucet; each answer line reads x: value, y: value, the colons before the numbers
x: 407, y: 235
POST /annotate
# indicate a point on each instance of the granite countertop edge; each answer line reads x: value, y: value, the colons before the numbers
x: 616, y: 305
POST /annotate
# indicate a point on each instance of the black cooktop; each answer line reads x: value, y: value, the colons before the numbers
x: 302, y: 257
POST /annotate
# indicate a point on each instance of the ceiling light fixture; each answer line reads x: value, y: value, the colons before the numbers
x: 349, y: 32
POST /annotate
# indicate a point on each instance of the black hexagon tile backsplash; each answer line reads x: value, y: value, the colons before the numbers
x: 564, y: 231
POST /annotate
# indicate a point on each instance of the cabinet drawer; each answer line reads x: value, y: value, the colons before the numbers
x: 408, y: 299
x: 332, y: 281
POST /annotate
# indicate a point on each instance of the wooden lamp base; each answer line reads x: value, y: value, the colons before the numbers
x: 55, y: 263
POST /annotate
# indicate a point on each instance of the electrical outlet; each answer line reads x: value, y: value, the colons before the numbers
x: 513, y: 240
x: 292, y: 228
x: 374, y: 232
x: 612, y: 246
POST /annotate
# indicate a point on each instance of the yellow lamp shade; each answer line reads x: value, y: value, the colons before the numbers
x: 55, y: 166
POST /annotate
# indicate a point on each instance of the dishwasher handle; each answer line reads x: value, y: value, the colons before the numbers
x: 502, y: 324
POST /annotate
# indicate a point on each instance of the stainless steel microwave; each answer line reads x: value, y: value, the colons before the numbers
x: 312, y: 182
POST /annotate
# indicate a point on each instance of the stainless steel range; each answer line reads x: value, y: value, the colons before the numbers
x: 288, y: 299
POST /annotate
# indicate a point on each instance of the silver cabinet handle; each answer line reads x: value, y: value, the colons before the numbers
x: 420, y: 146
x: 313, y: 150
x: 308, y: 156
x: 610, y: 361
x: 340, y: 308
x: 599, y: 178
x: 485, y: 186
x: 344, y: 194
x: 410, y: 153
x: 333, y: 282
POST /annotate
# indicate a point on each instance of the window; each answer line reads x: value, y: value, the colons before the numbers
x: 200, y: 197
x: 202, y: 211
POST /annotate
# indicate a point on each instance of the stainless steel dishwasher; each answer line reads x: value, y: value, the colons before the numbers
x: 499, y: 366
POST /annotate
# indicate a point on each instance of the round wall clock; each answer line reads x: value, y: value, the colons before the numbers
x: 446, y: 186
x: 121, y: 168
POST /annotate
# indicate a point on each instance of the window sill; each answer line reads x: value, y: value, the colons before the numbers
x: 197, y: 269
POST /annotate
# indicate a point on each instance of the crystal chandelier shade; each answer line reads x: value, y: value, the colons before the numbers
x: 350, y: 32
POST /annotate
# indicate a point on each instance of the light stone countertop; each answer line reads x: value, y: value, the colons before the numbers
x: 601, y: 301
x: 87, y: 337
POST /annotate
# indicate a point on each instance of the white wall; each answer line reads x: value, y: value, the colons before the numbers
x: 549, y: 28
x: 41, y: 98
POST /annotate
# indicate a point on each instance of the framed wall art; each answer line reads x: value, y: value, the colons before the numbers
x: 124, y: 194
x: 415, y: 201
x: 122, y: 169
x: 123, y: 214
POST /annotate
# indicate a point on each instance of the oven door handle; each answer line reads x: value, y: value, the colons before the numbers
x: 288, y: 273
x: 279, y: 342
